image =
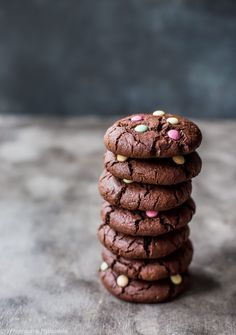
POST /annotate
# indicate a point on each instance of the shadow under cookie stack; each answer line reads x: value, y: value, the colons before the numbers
x: 146, y: 186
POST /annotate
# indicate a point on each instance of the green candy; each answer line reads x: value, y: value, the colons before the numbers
x: 141, y: 128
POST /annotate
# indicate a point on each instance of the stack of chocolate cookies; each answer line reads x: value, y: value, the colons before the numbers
x: 146, y: 186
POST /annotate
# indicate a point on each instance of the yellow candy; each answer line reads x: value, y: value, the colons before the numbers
x: 127, y: 181
x: 122, y: 281
x: 121, y: 158
x: 172, y: 120
x: 176, y: 279
x: 179, y: 159
x: 104, y: 266
x: 158, y: 113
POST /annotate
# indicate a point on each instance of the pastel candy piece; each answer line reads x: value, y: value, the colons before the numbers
x: 127, y: 181
x: 121, y: 158
x: 180, y: 160
x: 174, y: 134
x: 158, y: 113
x: 176, y: 279
x: 104, y: 266
x: 122, y: 281
x: 137, y: 118
x: 151, y: 214
x: 141, y: 128
x: 172, y: 120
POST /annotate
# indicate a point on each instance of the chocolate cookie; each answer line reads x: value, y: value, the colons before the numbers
x: 162, y: 171
x: 143, y: 197
x: 137, y: 223
x: 151, y: 269
x: 142, y: 291
x: 148, y: 135
x: 143, y: 247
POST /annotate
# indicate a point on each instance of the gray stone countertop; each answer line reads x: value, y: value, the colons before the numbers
x: 49, y: 211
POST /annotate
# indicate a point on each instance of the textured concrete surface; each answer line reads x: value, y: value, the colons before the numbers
x: 49, y: 210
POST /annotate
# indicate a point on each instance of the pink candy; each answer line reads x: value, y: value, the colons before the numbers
x: 151, y: 214
x: 136, y: 118
x: 174, y: 134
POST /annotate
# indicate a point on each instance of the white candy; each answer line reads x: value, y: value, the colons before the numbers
x: 172, y: 120
x: 122, y: 281
x: 104, y: 266
x: 158, y: 113
x: 127, y: 181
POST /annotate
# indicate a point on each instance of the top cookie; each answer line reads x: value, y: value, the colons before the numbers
x: 148, y: 136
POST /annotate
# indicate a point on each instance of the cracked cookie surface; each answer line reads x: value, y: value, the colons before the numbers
x: 162, y: 171
x: 122, y: 138
x: 142, y: 247
x: 137, y: 223
x: 142, y: 197
x: 151, y: 269
x: 143, y: 291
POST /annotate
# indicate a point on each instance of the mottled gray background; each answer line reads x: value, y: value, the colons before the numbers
x: 118, y: 57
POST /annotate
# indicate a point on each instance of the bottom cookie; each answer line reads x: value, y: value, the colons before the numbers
x: 140, y: 291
